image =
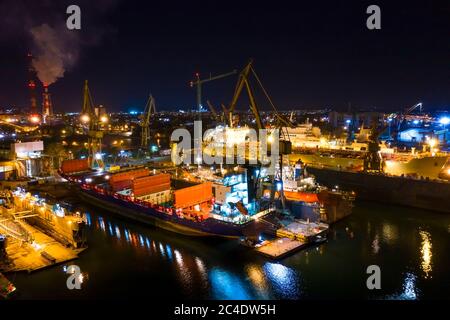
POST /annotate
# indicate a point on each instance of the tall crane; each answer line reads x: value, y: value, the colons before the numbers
x: 149, y: 110
x: 199, y: 82
x: 281, y: 122
x: 95, y: 136
x: 244, y: 82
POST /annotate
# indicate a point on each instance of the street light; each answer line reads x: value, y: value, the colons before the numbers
x: 85, y: 118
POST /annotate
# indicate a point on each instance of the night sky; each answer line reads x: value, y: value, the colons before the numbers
x: 307, y: 53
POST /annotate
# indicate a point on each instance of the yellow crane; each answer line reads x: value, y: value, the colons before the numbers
x: 244, y: 82
x: 95, y: 136
x: 149, y: 110
x: 199, y: 82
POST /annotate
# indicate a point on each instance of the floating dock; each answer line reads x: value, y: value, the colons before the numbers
x: 280, y: 247
x: 293, y: 236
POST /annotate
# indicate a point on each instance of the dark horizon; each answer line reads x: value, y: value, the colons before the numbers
x: 307, y: 55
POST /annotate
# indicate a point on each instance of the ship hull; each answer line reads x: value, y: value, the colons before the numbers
x: 149, y: 216
x: 418, y: 193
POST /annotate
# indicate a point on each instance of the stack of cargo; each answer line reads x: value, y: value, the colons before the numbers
x: 121, y: 185
x: 191, y: 196
x: 129, y: 175
x: 151, y: 184
x: 71, y: 166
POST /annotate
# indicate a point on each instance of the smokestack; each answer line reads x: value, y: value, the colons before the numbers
x: 32, y: 85
x: 47, y: 108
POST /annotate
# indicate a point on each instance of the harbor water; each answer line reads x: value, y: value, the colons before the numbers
x: 130, y: 261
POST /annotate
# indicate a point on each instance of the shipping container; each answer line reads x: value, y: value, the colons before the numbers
x: 140, y: 191
x: 129, y: 175
x: 152, y: 180
x: 77, y: 165
x: 191, y: 196
x: 121, y: 185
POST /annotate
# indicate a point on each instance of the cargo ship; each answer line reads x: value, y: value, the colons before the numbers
x: 372, y: 182
x: 177, y: 205
x: 418, y: 193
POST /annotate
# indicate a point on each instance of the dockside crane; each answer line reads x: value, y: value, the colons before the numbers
x: 90, y: 119
x: 285, y: 145
x: 149, y: 111
x: 400, y: 118
x: 197, y: 82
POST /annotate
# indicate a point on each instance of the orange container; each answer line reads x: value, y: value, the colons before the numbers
x: 75, y: 165
x: 129, y: 175
x: 141, y: 191
x: 191, y: 196
x: 153, y: 180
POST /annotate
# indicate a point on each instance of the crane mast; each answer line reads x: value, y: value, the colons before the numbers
x: 199, y: 82
x: 149, y: 110
x: 95, y: 136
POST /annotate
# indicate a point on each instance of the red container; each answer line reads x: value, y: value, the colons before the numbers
x: 77, y: 165
x: 120, y: 185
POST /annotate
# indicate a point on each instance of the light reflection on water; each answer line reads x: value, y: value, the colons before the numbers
x: 390, y: 233
x: 410, y: 291
x: 404, y: 252
x: 227, y: 286
x: 284, y: 279
x: 255, y: 282
x: 426, y: 253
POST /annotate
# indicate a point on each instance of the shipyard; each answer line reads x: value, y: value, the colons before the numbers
x: 192, y: 160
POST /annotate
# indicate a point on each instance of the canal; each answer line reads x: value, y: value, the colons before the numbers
x: 129, y: 261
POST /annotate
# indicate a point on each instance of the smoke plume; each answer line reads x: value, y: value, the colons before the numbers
x: 55, y: 52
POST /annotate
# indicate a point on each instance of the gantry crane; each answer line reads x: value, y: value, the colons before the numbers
x: 199, y: 82
x: 95, y: 136
x: 149, y: 110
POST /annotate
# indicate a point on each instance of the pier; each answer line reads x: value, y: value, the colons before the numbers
x: 280, y: 247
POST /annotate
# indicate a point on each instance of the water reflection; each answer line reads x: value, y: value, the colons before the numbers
x: 390, y: 233
x: 284, y: 279
x: 227, y: 286
x: 192, y: 272
x: 426, y: 253
x: 409, y: 287
x: 376, y: 244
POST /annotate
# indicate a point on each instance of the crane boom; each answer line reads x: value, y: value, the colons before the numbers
x: 199, y: 82
x: 211, y: 108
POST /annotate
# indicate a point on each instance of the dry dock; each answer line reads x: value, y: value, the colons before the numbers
x: 44, y: 252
